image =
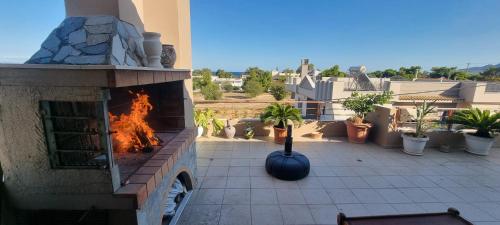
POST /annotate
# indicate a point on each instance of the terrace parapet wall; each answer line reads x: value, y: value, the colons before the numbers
x: 386, y: 133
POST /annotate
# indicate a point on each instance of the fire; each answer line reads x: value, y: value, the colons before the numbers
x: 132, y: 132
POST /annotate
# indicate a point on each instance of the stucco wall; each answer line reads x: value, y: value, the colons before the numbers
x: 327, y: 128
x: 425, y: 88
x: 29, y: 180
x: 475, y: 95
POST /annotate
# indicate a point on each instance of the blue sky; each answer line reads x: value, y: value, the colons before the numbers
x: 236, y: 34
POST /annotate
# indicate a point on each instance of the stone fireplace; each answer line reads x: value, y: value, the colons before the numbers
x: 61, y: 120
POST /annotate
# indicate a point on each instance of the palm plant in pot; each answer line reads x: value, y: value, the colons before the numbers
x: 485, y: 123
x: 414, y: 143
x: 280, y: 115
x: 357, y: 127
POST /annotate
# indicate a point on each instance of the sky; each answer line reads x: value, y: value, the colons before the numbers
x: 236, y: 34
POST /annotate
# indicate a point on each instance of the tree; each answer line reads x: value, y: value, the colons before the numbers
x: 390, y: 73
x: 227, y: 86
x: 278, y: 91
x: 311, y: 68
x: 377, y: 73
x: 223, y: 74
x: 211, y: 92
x: 410, y: 73
x: 288, y: 71
x: 202, y: 78
x: 196, y: 83
x: 253, y: 88
x: 333, y: 72
x: 281, y: 79
x: 460, y: 75
x: 383, y: 74
x: 492, y: 74
x: 256, y: 74
x: 442, y: 71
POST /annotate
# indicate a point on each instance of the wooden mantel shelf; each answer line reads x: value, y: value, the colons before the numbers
x: 106, y: 76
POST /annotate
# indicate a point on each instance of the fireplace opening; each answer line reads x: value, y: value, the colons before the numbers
x: 131, y: 132
x: 142, y: 120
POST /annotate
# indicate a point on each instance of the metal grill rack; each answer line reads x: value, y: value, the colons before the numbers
x: 76, y: 134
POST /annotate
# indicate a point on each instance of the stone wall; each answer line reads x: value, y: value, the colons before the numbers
x: 94, y: 40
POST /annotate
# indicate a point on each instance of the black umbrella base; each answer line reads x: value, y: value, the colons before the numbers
x: 287, y: 167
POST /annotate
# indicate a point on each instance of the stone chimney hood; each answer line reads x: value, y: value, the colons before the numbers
x: 92, y: 40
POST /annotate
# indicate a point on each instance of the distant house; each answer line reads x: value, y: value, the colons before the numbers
x: 277, y: 74
x: 236, y: 82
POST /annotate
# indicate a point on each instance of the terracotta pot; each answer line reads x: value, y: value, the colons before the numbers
x: 279, y: 135
x: 357, y: 133
x: 168, y: 56
x: 152, y: 47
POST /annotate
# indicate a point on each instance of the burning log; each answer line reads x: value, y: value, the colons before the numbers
x: 131, y: 132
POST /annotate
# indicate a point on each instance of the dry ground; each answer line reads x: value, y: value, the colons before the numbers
x: 238, y: 105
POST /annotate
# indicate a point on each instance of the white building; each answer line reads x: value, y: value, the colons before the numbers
x: 323, y: 94
x: 236, y: 82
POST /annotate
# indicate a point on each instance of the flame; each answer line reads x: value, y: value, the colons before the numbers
x: 132, y: 132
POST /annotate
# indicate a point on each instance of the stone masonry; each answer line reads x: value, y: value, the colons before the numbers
x: 95, y: 40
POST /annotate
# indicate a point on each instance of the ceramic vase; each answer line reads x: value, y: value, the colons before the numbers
x: 153, y: 48
x: 168, y: 56
x: 229, y: 130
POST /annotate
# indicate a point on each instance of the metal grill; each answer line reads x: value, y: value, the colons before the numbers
x: 75, y: 134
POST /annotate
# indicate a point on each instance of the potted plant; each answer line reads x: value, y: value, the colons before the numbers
x: 280, y: 115
x: 484, y: 122
x: 229, y: 130
x: 357, y: 127
x: 203, y: 118
x: 200, y: 121
x: 414, y: 143
x: 249, y: 132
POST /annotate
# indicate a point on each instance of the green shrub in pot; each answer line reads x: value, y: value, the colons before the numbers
x: 357, y: 127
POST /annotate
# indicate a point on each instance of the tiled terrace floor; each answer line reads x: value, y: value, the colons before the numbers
x: 358, y: 180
